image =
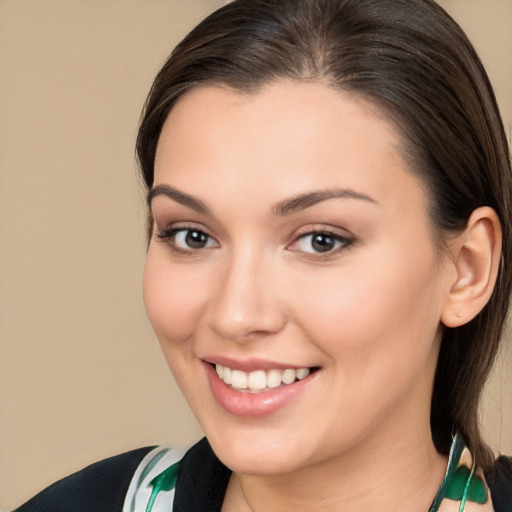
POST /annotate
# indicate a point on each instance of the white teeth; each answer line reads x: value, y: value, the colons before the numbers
x: 302, y: 373
x: 274, y: 378
x: 288, y: 376
x: 259, y: 380
x: 239, y: 379
x: 226, y: 374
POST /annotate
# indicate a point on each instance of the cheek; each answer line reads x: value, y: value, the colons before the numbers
x: 379, y: 330
x: 384, y: 306
x: 174, y: 297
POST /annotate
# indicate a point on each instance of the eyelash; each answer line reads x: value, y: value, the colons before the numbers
x: 168, y: 236
x: 341, y: 242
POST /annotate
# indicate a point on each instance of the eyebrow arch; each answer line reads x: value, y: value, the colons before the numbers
x: 303, y: 201
x: 178, y: 196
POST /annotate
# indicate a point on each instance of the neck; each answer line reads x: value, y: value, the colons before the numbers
x: 384, y: 476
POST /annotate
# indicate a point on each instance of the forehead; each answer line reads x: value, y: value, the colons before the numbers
x: 278, y: 106
x: 290, y: 136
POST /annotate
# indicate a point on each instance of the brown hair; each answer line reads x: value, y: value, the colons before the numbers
x: 413, y: 61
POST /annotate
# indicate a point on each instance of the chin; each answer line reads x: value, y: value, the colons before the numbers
x: 260, y: 451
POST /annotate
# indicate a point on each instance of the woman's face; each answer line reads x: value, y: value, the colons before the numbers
x: 292, y: 251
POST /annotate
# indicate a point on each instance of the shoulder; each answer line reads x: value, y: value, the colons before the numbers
x: 102, y: 486
x: 168, y: 480
x: 499, y: 479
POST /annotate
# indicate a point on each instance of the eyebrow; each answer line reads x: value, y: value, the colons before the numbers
x: 178, y: 196
x: 284, y: 208
x: 303, y: 201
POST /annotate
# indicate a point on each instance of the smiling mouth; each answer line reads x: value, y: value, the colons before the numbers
x: 259, y: 381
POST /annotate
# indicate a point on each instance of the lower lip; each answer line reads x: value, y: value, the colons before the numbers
x: 253, y: 405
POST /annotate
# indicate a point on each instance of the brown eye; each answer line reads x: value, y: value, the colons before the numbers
x: 196, y: 239
x: 187, y: 239
x: 320, y: 242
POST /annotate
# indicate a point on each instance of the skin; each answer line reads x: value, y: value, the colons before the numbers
x: 367, y: 314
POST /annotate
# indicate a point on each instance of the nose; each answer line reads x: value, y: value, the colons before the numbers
x: 247, y: 305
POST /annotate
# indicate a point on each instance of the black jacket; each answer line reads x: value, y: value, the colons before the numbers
x: 201, y: 485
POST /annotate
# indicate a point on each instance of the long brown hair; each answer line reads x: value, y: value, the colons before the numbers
x: 413, y: 61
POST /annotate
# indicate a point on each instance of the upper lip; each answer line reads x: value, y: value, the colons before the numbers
x: 253, y: 364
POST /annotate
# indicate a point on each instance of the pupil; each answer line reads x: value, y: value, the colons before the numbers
x: 195, y: 239
x: 322, y: 243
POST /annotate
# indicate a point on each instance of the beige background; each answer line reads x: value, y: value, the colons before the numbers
x: 81, y: 376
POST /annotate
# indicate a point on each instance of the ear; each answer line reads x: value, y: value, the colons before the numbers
x: 476, y: 256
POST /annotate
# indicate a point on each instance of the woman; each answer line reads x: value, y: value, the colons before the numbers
x: 329, y: 193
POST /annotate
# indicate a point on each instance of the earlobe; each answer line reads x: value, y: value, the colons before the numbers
x: 476, y: 259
